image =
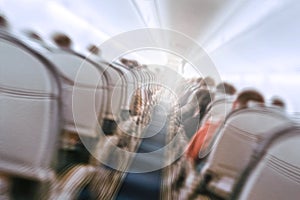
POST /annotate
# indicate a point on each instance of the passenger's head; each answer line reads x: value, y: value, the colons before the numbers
x: 130, y: 63
x: 33, y: 35
x: 133, y: 64
x: 204, y: 97
x: 247, y: 96
x: 94, y: 49
x: 125, y: 61
x: 207, y: 82
x: 3, y: 22
x: 199, y: 80
x: 225, y: 88
x: 136, y: 103
x: 62, y: 40
x: 276, y: 101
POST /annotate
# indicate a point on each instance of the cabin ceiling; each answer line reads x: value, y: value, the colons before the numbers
x: 239, y: 35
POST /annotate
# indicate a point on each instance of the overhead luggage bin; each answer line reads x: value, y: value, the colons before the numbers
x: 242, y: 132
x: 30, y: 111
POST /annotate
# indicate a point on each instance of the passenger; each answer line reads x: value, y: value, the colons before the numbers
x: 278, y: 102
x: 247, y: 96
x: 193, y: 84
x: 124, y: 61
x: 125, y: 135
x: 224, y: 89
x: 199, y: 100
x: 135, y: 63
x: 187, y: 89
x: 191, y: 125
x: 95, y: 53
x: 208, y: 130
x: 208, y: 83
x: 33, y: 35
x: 36, y: 38
x: 108, y: 157
x: 183, y: 99
x: 62, y: 41
x: 130, y: 63
x: 4, y: 25
x: 94, y: 50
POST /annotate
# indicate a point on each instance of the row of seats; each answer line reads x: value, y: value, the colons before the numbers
x: 58, y: 100
x: 251, y: 155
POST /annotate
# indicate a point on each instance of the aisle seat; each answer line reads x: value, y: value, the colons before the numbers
x: 275, y: 171
x: 30, y: 111
x: 243, y: 131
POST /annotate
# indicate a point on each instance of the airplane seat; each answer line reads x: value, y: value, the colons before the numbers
x: 82, y: 95
x: 138, y: 76
x: 129, y: 87
x: 217, y: 112
x: 197, y: 104
x: 243, y: 130
x: 104, y: 88
x: 151, y: 88
x: 186, y: 96
x: 188, y: 109
x: 30, y: 96
x: 183, y: 96
x: 114, y: 100
x: 227, y: 100
x: 274, y: 172
x: 191, y: 125
x: 152, y: 85
x: 144, y: 88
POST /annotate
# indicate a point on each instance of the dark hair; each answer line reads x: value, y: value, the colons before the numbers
x: 130, y: 63
x: 249, y: 95
x: 124, y: 61
x: 208, y: 81
x: 226, y: 87
x: 276, y: 101
x: 3, y: 22
x: 94, y: 49
x: 199, y: 80
x: 33, y: 35
x: 62, y: 40
x: 204, y: 97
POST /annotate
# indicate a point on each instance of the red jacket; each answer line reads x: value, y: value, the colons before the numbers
x: 205, y: 133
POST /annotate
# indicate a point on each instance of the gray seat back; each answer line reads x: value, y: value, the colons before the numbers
x: 116, y: 93
x: 82, y: 92
x: 239, y: 137
x: 276, y: 172
x: 217, y: 113
x: 30, y: 111
x: 129, y: 86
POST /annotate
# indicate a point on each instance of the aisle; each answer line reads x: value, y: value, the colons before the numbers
x: 147, y: 185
